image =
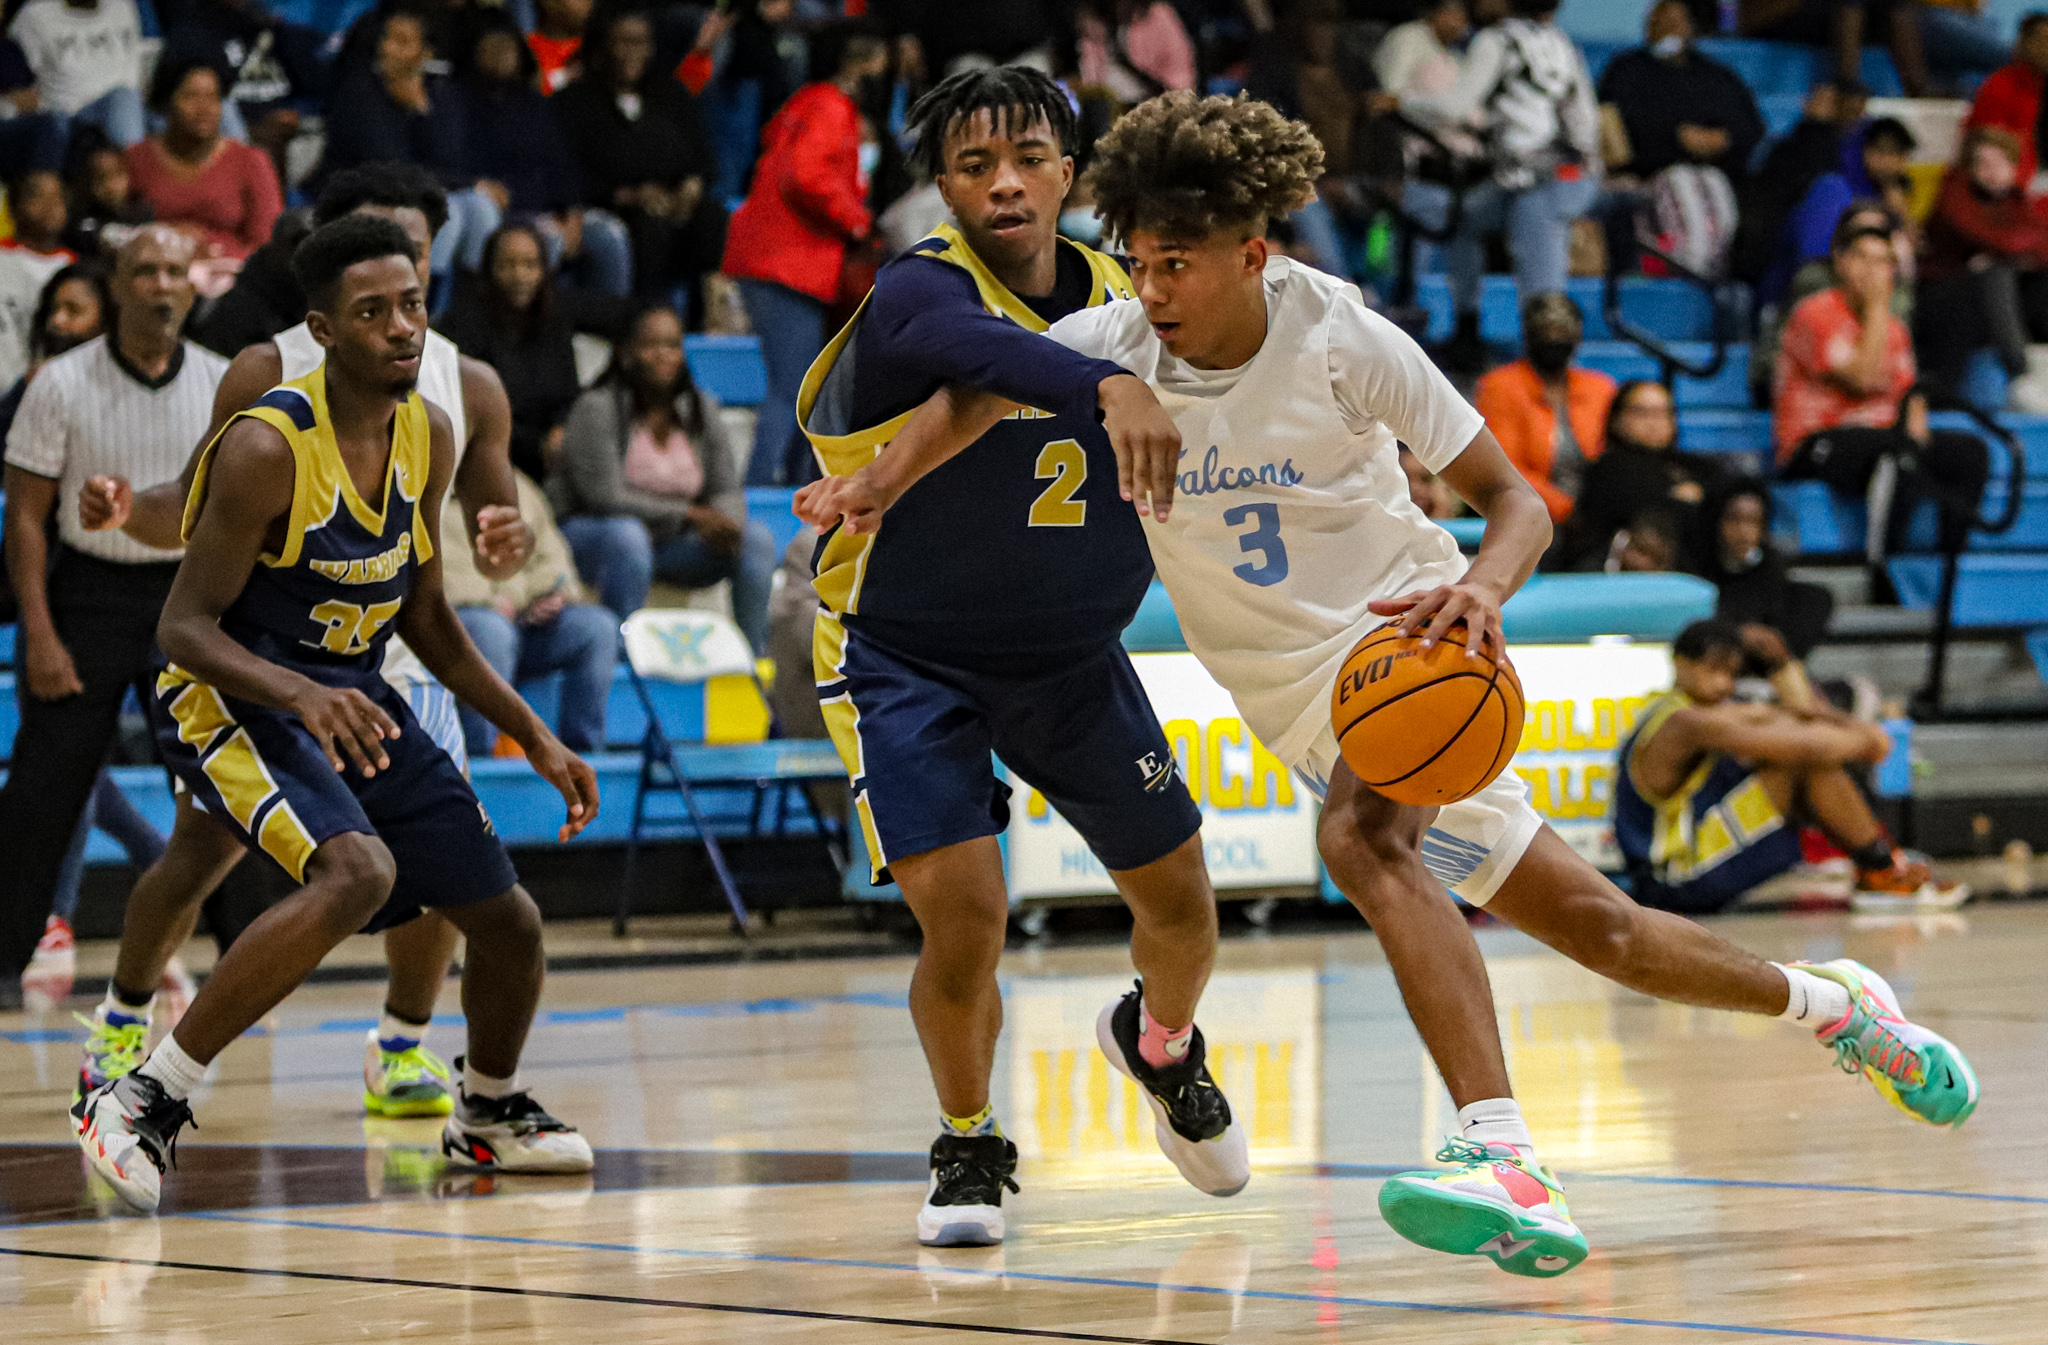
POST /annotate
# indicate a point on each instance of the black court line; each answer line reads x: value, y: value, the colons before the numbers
x: 623, y: 1300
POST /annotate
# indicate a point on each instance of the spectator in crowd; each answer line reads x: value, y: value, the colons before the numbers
x: 2010, y: 97
x: 1843, y: 26
x: 1815, y: 276
x: 132, y: 404
x: 1845, y: 366
x: 73, y: 308
x: 1419, y: 56
x: 1549, y: 414
x: 1134, y: 49
x: 516, y: 320
x: 1873, y: 167
x: 396, y: 112
x: 103, y: 208
x: 29, y: 136
x: 1652, y: 543
x: 1753, y: 580
x: 941, y: 36
x: 556, y: 41
x: 265, y: 299
x: 27, y: 261
x: 223, y: 193
x: 1781, y: 767
x: 648, y: 489
x: 635, y: 133
x: 516, y: 140
x: 788, y: 242
x: 1640, y: 469
x: 1528, y: 83
x: 1982, y: 281
x: 1812, y: 147
x: 765, y: 58
x: 1427, y: 491
x: 269, y: 66
x: 87, y: 56
x: 534, y: 624
x: 1677, y: 105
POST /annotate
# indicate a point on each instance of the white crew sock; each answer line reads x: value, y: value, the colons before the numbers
x: 1816, y: 1002
x: 118, y: 1012
x: 1497, y: 1120
x: 395, y: 1034
x: 478, y: 1084
x: 179, y: 1073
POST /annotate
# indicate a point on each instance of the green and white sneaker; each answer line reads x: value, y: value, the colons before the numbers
x: 404, y: 1083
x: 1494, y: 1203
x: 1918, y: 1071
x: 110, y: 1052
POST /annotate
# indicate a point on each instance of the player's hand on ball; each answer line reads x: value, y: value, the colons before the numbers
x: 1431, y: 613
x: 346, y: 724
x: 104, y: 503
x: 1146, y: 442
x: 572, y: 776
x: 504, y: 542
x: 823, y: 503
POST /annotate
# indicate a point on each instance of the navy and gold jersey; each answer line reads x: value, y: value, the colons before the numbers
x: 324, y: 604
x: 1019, y: 548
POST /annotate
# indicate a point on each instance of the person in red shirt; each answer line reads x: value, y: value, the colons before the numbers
x: 557, y: 41
x: 2010, y: 96
x: 1984, y: 264
x: 1549, y: 415
x: 1845, y: 368
x: 787, y: 244
x: 221, y: 192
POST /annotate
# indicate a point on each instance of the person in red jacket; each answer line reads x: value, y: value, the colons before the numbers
x: 1982, y: 276
x: 2010, y: 96
x: 787, y: 243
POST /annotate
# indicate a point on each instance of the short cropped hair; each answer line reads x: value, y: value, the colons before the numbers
x: 1014, y: 96
x: 1704, y: 639
x: 394, y: 186
x: 333, y: 248
x: 1184, y: 167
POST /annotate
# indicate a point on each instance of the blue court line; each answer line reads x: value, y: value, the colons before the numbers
x: 1093, y: 1281
x: 1377, y: 1170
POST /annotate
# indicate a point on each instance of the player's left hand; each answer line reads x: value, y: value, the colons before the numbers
x: 572, y: 777
x: 504, y: 542
x: 827, y: 500
x: 1146, y: 441
x: 1432, y: 612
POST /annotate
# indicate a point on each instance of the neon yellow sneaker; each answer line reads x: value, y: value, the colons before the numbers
x: 1918, y: 1071
x: 110, y: 1052
x: 404, y: 1083
x: 1494, y: 1203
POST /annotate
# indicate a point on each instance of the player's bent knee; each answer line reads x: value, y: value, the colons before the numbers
x: 355, y: 873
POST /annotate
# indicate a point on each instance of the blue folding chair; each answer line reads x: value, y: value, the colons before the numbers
x: 687, y: 647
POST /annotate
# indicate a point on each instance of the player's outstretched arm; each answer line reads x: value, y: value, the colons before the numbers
x: 950, y: 420
x: 1517, y: 533
x: 501, y: 540
x: 249, y: 491
x: 430, y: 628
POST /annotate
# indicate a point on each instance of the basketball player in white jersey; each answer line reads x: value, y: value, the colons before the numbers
x: 1292, y: 537
x: 400, y: 1076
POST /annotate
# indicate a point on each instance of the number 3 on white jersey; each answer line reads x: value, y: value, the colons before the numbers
x: 1063, y: 461
x: 1264, y: 539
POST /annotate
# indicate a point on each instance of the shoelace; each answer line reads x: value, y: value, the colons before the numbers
x: 1459, y: 1150
x: 124, y: 1045
x: 1893, y: 1058
x: 158, y: 1123
x: 965, y: 1177
x: 523, y: 1114
x: 1198, y: 1101
x: 413, y: 1065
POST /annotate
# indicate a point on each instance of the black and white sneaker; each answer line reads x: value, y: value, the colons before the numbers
x: 964, y: 1207
x: 510, y: 1134
x: 1190, y: 1116
x: 129, y: 1131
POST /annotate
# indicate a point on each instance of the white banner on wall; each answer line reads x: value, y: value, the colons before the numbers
x: 1258, y: 822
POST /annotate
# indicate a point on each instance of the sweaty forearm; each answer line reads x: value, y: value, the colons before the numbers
x: 197, y: 644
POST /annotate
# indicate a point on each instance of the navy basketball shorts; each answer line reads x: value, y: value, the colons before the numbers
x: 916, y: 738
x: 261, y: 774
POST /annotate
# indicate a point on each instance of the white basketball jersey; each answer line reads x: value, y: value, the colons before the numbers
x: 440, y: 383
x: 1291, y: 511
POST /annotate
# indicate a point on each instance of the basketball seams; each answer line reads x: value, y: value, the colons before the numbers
x: 1509, y: 735
x: 1492, y: 684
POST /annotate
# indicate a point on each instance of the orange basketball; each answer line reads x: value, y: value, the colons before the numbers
x: 1425, y: 726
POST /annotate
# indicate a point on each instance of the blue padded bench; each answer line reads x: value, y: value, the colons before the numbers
x: 1623, y: 360
x: 1992, y: 589
x: 729, y: 368
x: 1816, y: 521
x: 1671, y: 309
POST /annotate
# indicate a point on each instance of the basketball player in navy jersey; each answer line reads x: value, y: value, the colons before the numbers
x: 312, y: 537
x: 401, y: 1077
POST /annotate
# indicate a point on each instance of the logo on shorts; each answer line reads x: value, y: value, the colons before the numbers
x: 489, y: 828
x: 1157, y: 775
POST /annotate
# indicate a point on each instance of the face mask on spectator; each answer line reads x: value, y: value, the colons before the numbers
x: 1668, y: 48
x: 1550, y: 357
x: 1081, y: 225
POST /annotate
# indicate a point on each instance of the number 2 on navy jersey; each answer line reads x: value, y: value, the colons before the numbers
x: 1264, y: 539
x: 1063, y: 461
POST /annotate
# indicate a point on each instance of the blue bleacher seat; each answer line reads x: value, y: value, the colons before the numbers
x: 1781, y: 111
x: 769, y: 506
x: 7, y: 646
x: 1737, y: 433
x: 1623, y: 360
x: 2000, y: 589
x: 1816, y: 521
x: 728, y: 367
x: 1670, y: 309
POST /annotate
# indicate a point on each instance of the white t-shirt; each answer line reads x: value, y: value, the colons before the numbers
x: 79, y: 55
x: 22, y: 277
x: 1411, y: 59
x: 1291, y: 512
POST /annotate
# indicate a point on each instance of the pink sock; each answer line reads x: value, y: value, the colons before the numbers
x: 1160, y: 1046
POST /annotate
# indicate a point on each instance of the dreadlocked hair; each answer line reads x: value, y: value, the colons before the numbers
x: 1013, y: 96
x: 1184, y: 167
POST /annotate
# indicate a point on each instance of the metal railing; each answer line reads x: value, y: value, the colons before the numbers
x: 1670, y: 363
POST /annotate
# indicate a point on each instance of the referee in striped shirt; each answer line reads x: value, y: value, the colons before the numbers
x: 132, y: 404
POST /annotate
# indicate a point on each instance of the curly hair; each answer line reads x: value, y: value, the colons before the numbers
x: 1184, y: 167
